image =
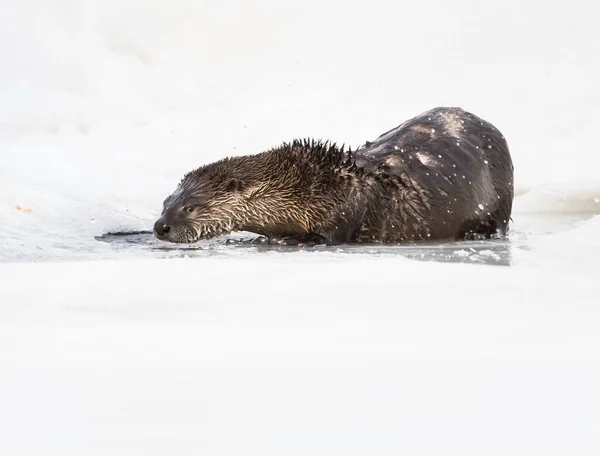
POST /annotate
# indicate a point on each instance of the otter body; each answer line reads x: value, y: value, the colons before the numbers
x: 443, y: 175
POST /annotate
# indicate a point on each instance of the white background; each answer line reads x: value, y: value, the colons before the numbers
x: 105, y: 104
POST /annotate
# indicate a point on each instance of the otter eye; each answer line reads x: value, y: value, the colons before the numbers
x: 189, y: 208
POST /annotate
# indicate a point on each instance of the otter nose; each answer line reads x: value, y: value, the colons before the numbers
x: 161, y: 229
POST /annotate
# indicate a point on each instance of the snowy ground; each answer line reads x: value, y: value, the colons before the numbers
x: 298, y: 356
x: 125, y: 346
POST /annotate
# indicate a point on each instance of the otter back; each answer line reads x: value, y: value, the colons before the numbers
x: 457, y: 177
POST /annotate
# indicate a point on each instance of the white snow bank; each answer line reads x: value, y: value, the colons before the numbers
x: 575, y: 247
x: 575, y: 196
x: 299, y: 356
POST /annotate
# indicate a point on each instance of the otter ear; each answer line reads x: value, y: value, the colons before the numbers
x: 235, y: 185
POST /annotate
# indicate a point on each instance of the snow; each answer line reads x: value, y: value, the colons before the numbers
x: 285, y: 356
x: 123, y: 349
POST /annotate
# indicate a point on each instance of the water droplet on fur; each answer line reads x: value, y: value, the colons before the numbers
x: 395, y: 147
x: 489, y: 146
x: 485, y: 161
x: 480, y: 206
x: 433, y: 130
x: 440, y: 156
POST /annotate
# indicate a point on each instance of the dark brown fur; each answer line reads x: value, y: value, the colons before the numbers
x: 445, y: 174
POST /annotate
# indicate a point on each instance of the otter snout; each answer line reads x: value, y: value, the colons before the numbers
x: 161, y: 229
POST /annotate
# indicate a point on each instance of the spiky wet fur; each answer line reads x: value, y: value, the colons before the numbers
x: 386, y: 191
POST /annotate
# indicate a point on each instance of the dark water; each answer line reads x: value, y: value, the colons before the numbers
x: 489, y: 252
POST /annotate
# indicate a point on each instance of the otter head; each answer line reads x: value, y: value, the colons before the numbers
x: 207, y: 203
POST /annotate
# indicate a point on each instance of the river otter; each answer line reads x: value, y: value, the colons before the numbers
x: 443, y: 175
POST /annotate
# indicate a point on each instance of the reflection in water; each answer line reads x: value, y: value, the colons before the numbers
x: 497, y: 252
x: 526, y: 228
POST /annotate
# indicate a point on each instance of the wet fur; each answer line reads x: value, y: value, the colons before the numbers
x: 445, y: 174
